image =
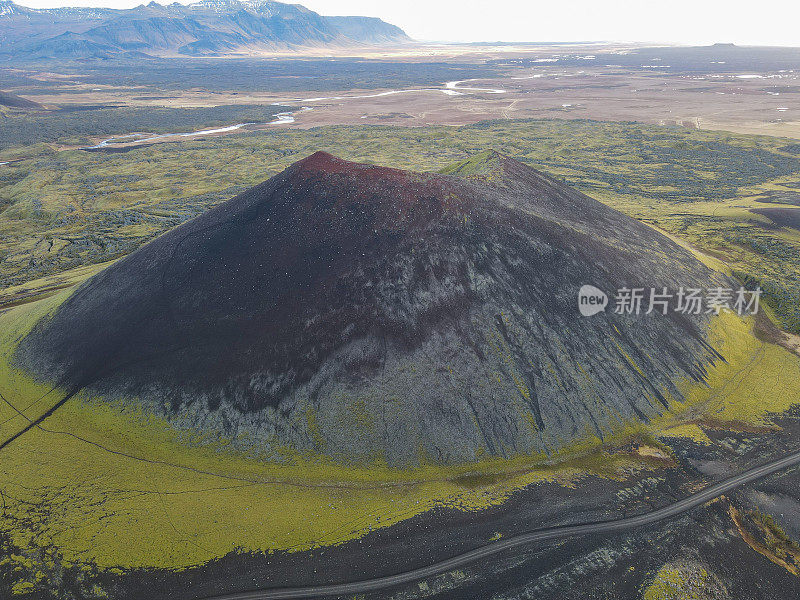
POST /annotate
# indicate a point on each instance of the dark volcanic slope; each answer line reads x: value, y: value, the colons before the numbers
x: 15, y: 101
x: 368, y: 312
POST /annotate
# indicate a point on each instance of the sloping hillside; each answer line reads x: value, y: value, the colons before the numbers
x: 364, y: 312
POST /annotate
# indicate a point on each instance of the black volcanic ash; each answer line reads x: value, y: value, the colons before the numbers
x: 364, y: 312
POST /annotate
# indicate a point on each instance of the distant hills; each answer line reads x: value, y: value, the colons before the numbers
x: 368, y: 313
x: 205, y: 28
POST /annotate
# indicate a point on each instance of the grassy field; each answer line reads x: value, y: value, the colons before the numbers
x: 758, y: 250
x: 97, y: 486
x: 65, y: 209
x: 102, y: 486
x: 100, y: 482
x: 77, y: 128
x: 283, y: 75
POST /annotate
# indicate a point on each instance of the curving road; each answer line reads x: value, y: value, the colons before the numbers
x: 539, y: 535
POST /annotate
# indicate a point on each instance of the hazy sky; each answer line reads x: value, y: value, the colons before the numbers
x: 772, y: 22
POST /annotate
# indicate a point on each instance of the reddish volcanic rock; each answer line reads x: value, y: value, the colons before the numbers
x: 365, y: 312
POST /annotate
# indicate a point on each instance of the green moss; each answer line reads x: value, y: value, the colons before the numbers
x: 98, y: 471
x: 360, y: 414
x: 690, y: 431
x: 313, y: 427
x: 680, y: 582
x: 103, y: 206
x: 757, y: 380
x: 485, y: 165
x: 192, y: 501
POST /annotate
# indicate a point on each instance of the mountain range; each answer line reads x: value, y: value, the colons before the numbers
x: 205, y: 28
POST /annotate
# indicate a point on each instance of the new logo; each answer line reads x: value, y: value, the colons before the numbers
x: 591, y: 300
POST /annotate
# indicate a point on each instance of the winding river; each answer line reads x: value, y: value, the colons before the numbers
x: 451, y: 88
x: 454, y: 85
x: 136, y: 138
